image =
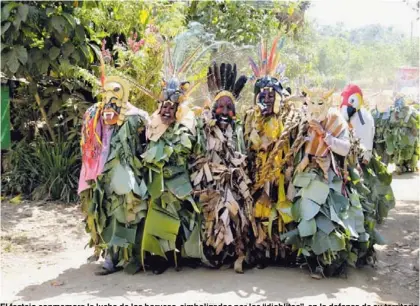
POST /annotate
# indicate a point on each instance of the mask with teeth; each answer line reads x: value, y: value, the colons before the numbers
x: 224, y: 112
x: 168, y: 112
x: 173, y: 93
x: 115, y: 98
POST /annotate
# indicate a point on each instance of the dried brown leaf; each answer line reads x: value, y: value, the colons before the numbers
x: 199, y: 177
x: 207, y: 172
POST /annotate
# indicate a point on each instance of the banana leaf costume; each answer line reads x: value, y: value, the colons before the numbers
x: 219, y: 175
x: 328, y: 215
x: 171, y: 229
x: 396, y: 138
x: 374, y: 176
x: 267, y: 139
x: 111, y: 185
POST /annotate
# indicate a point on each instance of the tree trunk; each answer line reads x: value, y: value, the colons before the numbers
x: 41, y: 108
x: 44, y: 115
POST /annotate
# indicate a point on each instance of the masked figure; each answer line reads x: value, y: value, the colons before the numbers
x: 378, y: 193
x: 396, y: 139
x: 269, y: 127
x: 328, y: 216
x: 220, y: 176
x: 353, y: 110
x: 171, y: 232
x: 111, y: 185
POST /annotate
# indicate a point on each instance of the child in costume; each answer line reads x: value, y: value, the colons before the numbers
x: 220, y: 176
x: 111, y: 185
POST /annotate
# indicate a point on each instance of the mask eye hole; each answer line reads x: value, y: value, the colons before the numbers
x: 117, y: 89
x: 320, y: 103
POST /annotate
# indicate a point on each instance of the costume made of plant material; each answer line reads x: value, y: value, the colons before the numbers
x: 172, y: 232
x: 269, y: 128
x: 396, y: 138
x: 219, y: 174
x: 327, y: 213
x: 378, y: 193
x: 111, y: 185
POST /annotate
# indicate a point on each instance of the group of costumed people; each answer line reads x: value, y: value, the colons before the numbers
x: 295, y: 183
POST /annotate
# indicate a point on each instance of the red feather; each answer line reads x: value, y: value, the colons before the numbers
x: 272, y: 54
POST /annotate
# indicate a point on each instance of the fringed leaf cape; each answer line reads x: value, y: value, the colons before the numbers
x: 171, y: 221
x: 222, y: 187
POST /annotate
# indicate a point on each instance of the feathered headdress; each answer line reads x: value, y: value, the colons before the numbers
x: 221, y: 81
x: 270, y: 71
x: 189, y: 47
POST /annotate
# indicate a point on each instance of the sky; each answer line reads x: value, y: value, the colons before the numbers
x: 358, y: 13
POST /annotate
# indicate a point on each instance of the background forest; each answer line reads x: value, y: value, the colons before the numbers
x: 50, y: 66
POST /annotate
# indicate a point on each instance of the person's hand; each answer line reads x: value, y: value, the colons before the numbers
x: 317, y: 127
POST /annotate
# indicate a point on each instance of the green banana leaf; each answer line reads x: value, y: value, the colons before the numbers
x: 316, y: 191
x: 307, y: 227
x: 308, y: 209
x: 160, y: 224
x: 180, y: 185
x: 116, y: 235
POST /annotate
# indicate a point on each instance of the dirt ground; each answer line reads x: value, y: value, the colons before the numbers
x: 44, y: 262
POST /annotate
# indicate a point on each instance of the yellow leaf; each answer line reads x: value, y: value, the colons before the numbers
x: 290, y: 10
x: 125, y: 252
x: 143, y: 16
x: 285, y: 210
x: 16, y: 200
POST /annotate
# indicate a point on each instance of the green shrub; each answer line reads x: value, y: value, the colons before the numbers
x: 44, y: 170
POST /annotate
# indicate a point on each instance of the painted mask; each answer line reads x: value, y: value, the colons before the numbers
x: 173, y: 93
x: 319, y: 102
x: 115, y: 97
x: 266, y: 89
x: 224, y: 112
x: 352, y: 101
x: 168, y: 112
x: 266, y: 100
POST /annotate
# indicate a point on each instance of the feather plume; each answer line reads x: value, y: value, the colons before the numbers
x: 170, y: 64
x: 223, y: 75
x: 234, y: 72
x: 217, y: 75
x: 229, y: 76
x: 102, y: 63
x: 239, y: 85
x: 211, y: 82
x: 188, y: 61
x: 276, y: 62
x: 272, y: 55
x: 254, y: 67
x: 263, y: 57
